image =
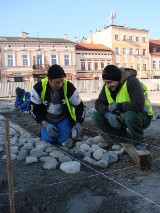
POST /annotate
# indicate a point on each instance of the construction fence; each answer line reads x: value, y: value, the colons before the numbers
x: 83, y: 86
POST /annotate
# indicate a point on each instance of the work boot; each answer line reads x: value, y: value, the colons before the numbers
x: 68, y: 143
x: 141, y: 145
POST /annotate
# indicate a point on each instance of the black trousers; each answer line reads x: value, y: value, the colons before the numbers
x: 136, y: 122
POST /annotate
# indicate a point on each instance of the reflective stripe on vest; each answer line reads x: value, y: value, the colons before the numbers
x: 123, y: 96
x: 24, y: 97
x: 71, y: 109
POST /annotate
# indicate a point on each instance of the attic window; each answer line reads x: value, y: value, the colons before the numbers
x: 9, y: 45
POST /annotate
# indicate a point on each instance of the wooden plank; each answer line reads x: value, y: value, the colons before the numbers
x: 141, y: 158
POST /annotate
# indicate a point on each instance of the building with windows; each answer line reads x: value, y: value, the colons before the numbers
x: 27, y: 59
x: 154, y: 49
x: 130, y: 45
x: 91, y: 59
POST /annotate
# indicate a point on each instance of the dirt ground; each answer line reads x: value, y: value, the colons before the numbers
x: 121, y: 188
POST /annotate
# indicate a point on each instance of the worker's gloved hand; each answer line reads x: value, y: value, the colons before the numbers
x: 114, y: 120
x: 51, y: 129
x: 76, y: 130
x: 113, y: 107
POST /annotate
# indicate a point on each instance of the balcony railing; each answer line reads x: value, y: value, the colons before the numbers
x: 40, y: 66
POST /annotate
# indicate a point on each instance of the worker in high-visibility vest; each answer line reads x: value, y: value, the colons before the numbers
x: 57, y: 106
x: 123, y: 104
x: 22, y: 100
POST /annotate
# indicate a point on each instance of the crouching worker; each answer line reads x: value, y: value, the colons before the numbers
x: 22, y: 100
x: 123, y: 103
x: 56, y: 105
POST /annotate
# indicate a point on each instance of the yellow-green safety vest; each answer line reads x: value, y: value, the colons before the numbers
x: 24, y: 97
x: 71, y: 109
x: 123, y: 96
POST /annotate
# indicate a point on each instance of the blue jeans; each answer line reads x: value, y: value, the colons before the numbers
x: 64, y: 132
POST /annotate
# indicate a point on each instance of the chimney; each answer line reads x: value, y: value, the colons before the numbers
x: 65, y: 36
x: 91, y: 37
x: 24, y: 35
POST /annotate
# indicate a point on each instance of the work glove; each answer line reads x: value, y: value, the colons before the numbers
x: 76, y: 130
x: 51, y: 130
x: 113, y: 107
x: 114, y: 120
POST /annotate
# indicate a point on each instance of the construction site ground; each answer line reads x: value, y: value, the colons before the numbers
x: 120, y: 188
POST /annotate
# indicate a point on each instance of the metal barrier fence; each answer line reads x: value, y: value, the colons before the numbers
x: 83, y: 86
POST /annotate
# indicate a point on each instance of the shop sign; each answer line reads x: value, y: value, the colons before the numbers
x: 16, y: 74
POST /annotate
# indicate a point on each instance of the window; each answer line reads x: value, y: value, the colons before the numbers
x: 144, y: 67
x: 25, y: 60
x: 66, y: 60
x: 144, y: 39
x: 131, y: 51
x: 154, y: 65
x: 82, y: 65
x: 137, y: 39
x: 124, y: 37
x: 39, y: 60
x: 144, y: 52
x: 53, y: 59
x: 124, y: 51
x: 117, y: 51
x: 10, y: 60
x: 95, y: 65
x: 137, y: 52
x: 18, y: 79
x: 154, y: 49
x: 138, y: 67
x: 117, y: 64
x: 130, y: 38
x: 102, y: 65
x: 89, y: 66
x: 116, y: 37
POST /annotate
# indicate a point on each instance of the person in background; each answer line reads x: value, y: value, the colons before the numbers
x: 22, y: 100
x: 122, y: 105
x: 57, y: 107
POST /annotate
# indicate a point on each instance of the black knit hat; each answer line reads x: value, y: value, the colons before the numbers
x: 56, y: 71
x: 111, y: 72
x: 19, y: 90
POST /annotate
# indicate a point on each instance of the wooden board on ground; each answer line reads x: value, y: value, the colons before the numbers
x: 141, y: 158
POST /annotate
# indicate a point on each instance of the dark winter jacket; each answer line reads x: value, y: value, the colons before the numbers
x: 135, y: 92
x: 23, y: 101
x: 38, y: 108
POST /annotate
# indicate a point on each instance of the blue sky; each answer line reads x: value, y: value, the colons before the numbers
x: 76, y: 18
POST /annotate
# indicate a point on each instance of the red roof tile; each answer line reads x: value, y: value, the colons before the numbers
x: 90, y: 46
x: 154, y: 41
